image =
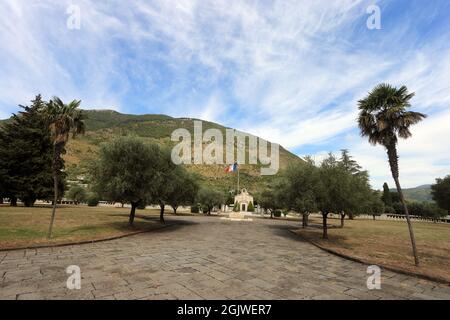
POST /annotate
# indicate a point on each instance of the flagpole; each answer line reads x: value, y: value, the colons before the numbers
x: 238, y: 179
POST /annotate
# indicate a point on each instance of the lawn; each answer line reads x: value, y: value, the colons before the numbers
x: 387, y: 243
x: 20, y: 226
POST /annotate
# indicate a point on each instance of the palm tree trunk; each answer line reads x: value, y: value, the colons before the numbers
x: 55, y: 188
x: 393, y: 162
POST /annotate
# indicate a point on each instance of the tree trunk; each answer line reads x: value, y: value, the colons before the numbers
x: 13, y: 202
x: 373, y: 217
x: 174, y: 209
x: 55, y: 200
x: 161, y: 213
x: 393, y: 162
x: 132, y: 213
x: 325, y: 227
x: 271, y: 214
x: 342, y: 219
x: 305, y: 220
x: 351, y: 216
x: 1, y: 199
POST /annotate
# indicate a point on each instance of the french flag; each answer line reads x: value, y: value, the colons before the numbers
x: 232, y: 168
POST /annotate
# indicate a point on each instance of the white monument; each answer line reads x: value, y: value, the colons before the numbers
x: 243, y: 200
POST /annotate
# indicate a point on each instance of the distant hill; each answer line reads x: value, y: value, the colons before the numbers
x: 103, y: 125
x: 420, y: 193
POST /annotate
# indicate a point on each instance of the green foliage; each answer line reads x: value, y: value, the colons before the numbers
x: 182, y: 188
x: 441, y: 193
x: 398, y: 208
x: 389, y: 209
x: 26, y: 156
x: 127, y: 171
x: 251, y: 207
x: 195, y: 208
x: 229, y: 198
x: 142, y: 205
x: 93, y: 200
x: 209, y: 198
x: 386, y: 198
x: 374, y: 205
x: 77, y: 194
x: 277, y: 213
x: 340, y: 189
x: 273, y: 197
x: 301, y: 188
x: 426, y: 209
x: 236, y: 207
x: 384, y: 115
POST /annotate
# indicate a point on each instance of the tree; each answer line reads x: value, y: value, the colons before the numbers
x: 251, y: 207
x: 383, y: 118
x: 387, y: 198
x: 125, y: 172
x: 349, y: 164
x: 63, y: 120
x: 184, y: 189
x: 300, y: 191
x: 269, y: 200
x: 333, y: 191
x: 440, y: 192
x: 165, y: 182
x: 375, y: 206
x: 358, y: 184
x: 77, y: 194
x: 209, y: 198
x: 237, y: 207
x: 26, y: 156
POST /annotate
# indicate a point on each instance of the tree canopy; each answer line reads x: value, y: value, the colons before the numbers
x: 127, y: 171
x: 440, y: 192
x: 26, y: 155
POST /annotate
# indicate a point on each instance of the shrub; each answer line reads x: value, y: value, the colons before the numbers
x: 93, y: 200
x: 277, y: 213
x: 142, y: 205
x: 251, y: 208
x: 389, y: 209
x: 236, y: 207
x: 195, y: 209
x: 398, y: 208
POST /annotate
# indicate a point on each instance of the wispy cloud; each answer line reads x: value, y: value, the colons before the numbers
x: 289, y: 71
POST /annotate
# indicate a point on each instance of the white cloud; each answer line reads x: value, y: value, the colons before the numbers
x: 422, y: 158
x: 289, y: 71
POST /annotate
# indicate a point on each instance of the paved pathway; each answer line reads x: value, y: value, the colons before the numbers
x: 202, y: 258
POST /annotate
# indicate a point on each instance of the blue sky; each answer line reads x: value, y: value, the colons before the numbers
x: 289, y: 71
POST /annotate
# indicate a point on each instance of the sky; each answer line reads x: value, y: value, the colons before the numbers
x: 288, y: 71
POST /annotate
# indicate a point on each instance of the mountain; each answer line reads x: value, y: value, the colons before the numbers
x: 103, y: 125
x: 420, y: 193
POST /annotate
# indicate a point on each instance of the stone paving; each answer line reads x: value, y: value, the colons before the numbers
x: 202, y: 258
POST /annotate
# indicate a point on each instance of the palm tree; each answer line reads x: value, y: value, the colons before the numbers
x: 383, y: 118
x: 63, y: 119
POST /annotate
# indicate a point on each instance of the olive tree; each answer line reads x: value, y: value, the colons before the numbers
x: 127, y: 171
x: 209, y: 198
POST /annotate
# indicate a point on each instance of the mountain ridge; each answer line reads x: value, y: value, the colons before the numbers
x: 103, y: 125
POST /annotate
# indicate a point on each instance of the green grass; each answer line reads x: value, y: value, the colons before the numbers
x: 22, y: 226
x: 387, y: 243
